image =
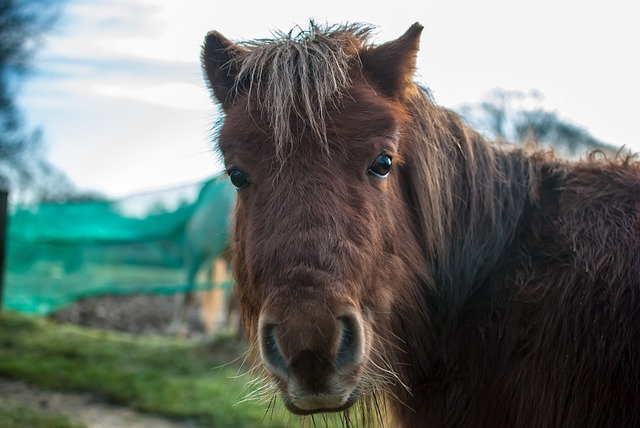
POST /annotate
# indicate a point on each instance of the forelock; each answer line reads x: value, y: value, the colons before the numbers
x: 300, y: 75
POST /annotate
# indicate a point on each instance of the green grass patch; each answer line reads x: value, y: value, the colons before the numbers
x: 13, y: 416
x: 175, y: 378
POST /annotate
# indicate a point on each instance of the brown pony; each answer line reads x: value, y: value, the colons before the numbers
x: 387, y: 254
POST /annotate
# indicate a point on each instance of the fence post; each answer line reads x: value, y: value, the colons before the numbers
x: 4, y: 196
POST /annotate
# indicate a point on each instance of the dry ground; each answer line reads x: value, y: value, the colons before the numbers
x: 82, y: 407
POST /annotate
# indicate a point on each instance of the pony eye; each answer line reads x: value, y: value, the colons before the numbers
x: 380, y: 167
x: 239, y: 179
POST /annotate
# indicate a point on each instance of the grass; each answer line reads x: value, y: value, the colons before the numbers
x: 175, y: 378
x: 12, y: 416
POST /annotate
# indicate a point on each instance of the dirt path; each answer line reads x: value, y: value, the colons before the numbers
x: 82, y: 407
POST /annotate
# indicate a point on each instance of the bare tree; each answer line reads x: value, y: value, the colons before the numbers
x: 519, y: 117
x: 23, y: 166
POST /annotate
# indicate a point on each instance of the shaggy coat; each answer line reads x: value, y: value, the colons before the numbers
x: 388, y: 256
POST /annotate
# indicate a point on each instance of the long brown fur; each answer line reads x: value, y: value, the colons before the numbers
x: 497, y: 287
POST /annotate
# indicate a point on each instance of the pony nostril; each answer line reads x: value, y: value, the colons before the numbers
x: 349, y: 349
x: 271, y: 351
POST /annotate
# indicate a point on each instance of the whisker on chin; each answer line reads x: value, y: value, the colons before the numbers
x: 388, y: 373
x: 259, y: 387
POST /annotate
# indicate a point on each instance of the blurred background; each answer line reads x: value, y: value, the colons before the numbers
x: 110, y: 181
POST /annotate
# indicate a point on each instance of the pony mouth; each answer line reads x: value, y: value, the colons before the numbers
x: 293, y: 408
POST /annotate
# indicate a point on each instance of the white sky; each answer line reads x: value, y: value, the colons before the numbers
x: 119, y: 93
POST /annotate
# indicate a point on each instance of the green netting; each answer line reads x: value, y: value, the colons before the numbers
x: 58, y: 253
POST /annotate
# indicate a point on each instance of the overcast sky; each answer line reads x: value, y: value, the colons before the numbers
x: 119, y: 95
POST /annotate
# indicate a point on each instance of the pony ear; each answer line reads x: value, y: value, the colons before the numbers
x: 391, y: 65
x: 221, y: 64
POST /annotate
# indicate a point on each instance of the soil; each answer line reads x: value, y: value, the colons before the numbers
x: 137, y: 314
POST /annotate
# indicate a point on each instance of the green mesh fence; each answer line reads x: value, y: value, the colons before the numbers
x: 58, y: 253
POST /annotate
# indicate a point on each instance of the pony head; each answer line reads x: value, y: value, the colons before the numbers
x: 324, y: 249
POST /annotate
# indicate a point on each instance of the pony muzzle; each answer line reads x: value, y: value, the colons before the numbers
x: 316, y: 361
